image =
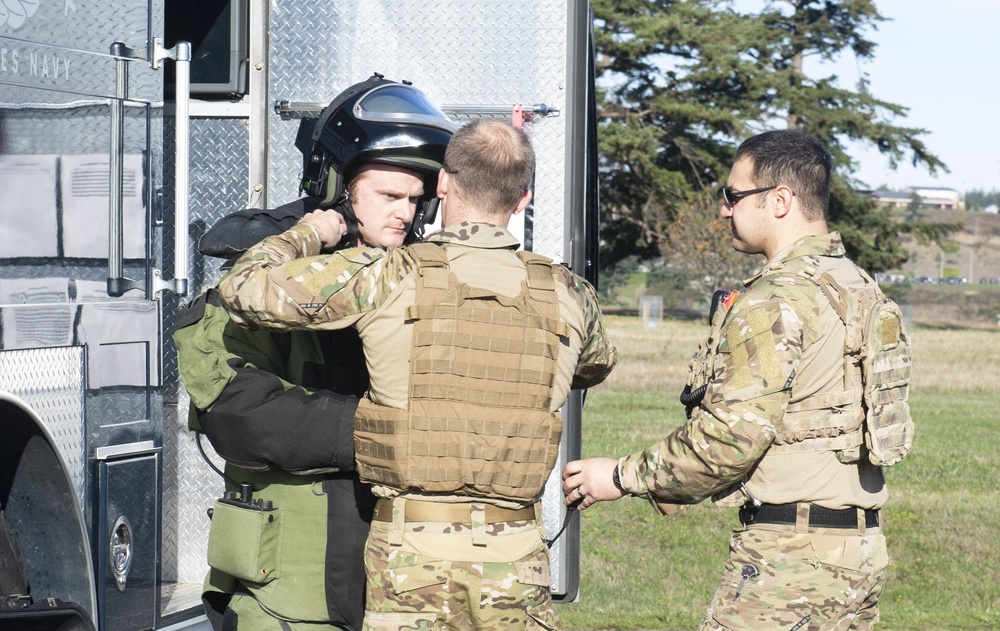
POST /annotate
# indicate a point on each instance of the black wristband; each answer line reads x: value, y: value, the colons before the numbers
x: 616, y: 478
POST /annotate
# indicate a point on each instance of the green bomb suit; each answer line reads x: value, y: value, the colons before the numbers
x: 279, y: 408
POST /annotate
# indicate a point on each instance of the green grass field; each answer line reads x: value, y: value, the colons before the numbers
x: 643, y: 571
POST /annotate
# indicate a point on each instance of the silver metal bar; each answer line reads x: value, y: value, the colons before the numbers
x: 182, y: 144
x: 181, y: 54
x: 289, y: 110
x: 470, y: 109
x: 117, y: 284
x: 116, y: 168
x: 259, y: 88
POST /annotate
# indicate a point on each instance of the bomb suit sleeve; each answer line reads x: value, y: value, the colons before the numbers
x: 244, y: 401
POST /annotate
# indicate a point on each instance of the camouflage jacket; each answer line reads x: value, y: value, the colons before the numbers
x: 284, y: 283
x: 772, y: 348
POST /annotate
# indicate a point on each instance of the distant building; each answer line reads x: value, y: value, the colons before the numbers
x: 894, y: 199
x: 941, y: 198
x: 930, y: 197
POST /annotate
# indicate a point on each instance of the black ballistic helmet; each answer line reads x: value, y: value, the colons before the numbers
x: 376, y: 120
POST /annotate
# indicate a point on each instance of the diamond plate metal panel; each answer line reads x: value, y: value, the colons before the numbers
x: 71, y: 138
x: 40, y: 132
x: 219, y: 181
x: 89, y: 26
x: 64, y: 48
x: 482, y: 53
x: 50, y: 381
x: 189, y: 488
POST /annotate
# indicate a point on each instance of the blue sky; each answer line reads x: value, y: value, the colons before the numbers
x: 941, y: 59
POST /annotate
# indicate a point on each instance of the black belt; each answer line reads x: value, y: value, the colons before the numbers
x: 819, y: 517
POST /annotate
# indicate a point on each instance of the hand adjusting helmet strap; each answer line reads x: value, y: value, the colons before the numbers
x: 346, y: 209
x: 374, y: 121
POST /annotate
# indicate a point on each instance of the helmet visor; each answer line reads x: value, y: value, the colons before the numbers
x: 400, y: 103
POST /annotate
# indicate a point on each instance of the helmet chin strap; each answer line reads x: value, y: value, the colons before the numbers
x: 426, y: 214
x: 346, y: 209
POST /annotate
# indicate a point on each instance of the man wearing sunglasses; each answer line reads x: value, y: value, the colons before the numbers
x: 775, y: 425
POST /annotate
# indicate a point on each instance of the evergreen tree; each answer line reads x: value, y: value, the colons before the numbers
x: 977, y: 200
x: 681, y: 82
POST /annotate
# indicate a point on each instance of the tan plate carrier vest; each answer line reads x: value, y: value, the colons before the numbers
x: 482, y: 368
x: 871, y: 414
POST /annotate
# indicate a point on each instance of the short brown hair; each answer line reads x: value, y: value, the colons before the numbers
x: 795, y: 159
x: 491, y: 164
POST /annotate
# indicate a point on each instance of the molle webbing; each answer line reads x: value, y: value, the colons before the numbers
x: 833, y: 421
x: 482, y: 367
x: 829, y: 422
x: 873, y: 410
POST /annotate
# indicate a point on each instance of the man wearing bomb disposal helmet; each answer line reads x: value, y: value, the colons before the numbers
x: 279, y: 408
x: 374, y: 133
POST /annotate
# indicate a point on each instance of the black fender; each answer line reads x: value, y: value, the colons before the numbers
x: 35, y: 488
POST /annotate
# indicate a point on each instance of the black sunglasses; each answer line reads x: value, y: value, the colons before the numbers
x: 730, y: 197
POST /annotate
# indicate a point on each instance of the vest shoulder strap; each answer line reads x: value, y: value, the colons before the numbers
x: 433, y: 272
x: 541, y: 287
x: 540, y: 283
x: 835, y: 292
x: 429, y: 254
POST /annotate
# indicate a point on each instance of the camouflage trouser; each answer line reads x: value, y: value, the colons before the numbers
x: 416, y: 592
x: 823, y: 579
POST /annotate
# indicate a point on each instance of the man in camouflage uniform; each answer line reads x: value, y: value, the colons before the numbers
x: 766, y: 433
x: 279, y: 408
x: 459, y: 440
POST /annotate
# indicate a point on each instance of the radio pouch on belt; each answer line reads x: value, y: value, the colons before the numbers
x: 245, y: 540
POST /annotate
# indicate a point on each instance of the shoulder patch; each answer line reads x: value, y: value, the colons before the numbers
x: 753, y: 351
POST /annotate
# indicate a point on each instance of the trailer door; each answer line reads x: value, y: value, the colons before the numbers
x: 81, y: 205
x: 523, y: 58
